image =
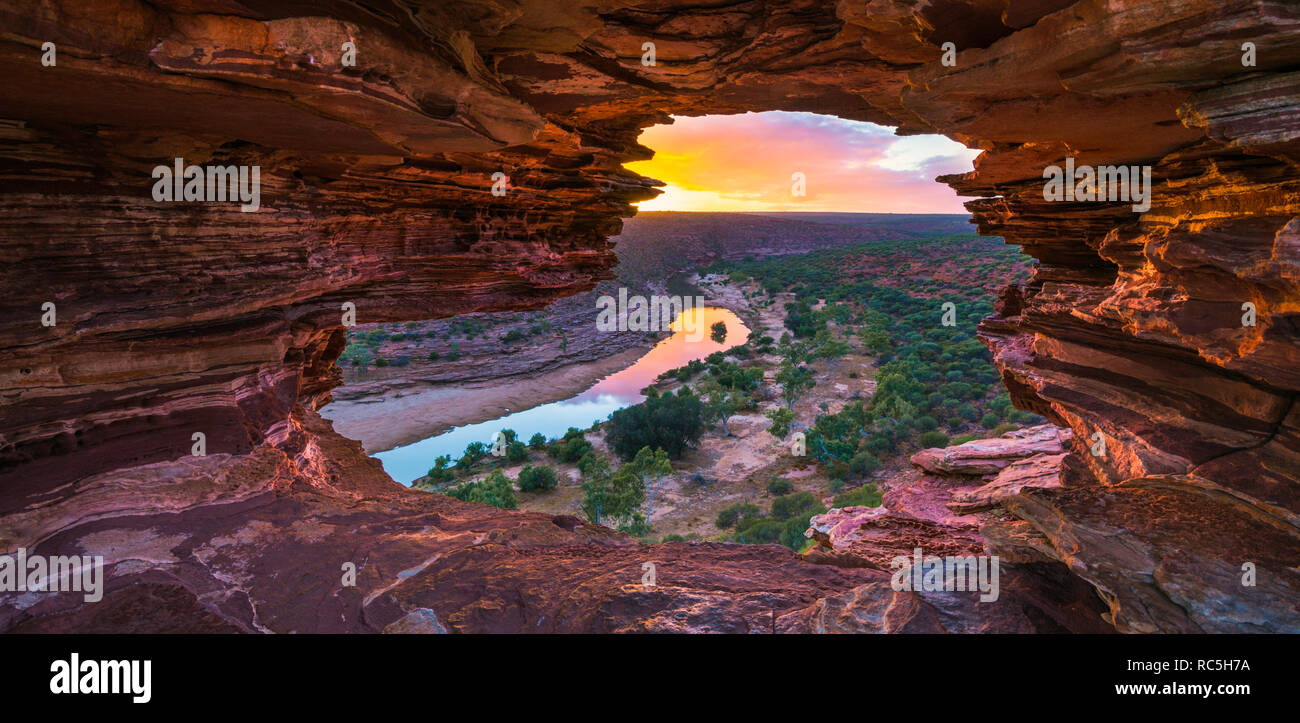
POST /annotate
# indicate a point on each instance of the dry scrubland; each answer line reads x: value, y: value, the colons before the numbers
x: 847, y: 316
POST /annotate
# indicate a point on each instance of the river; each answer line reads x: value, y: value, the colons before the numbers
x: 620, y: 389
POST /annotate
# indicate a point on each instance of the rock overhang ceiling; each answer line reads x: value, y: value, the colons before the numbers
x: 376, y: 191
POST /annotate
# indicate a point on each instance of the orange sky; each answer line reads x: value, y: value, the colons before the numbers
x: 745, y: 163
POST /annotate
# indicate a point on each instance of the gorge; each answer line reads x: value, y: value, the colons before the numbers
x: 376, y: 191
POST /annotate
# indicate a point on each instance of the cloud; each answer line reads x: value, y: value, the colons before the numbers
x: 745, y: 163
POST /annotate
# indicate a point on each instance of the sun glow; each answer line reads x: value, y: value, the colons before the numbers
x: 747, y: 163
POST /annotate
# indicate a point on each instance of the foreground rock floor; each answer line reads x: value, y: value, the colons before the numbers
x: 208, y: 547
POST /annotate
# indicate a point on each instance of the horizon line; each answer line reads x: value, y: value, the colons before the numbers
x: 851, y: 213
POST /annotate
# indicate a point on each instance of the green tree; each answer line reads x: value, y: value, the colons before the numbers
x: 474, y: 451
x: 794, y: 380
x: 670, y: 422
x: 829, y: 348
x: 723, y: 403
x: 440, y: 471
x: 611, y: 498
x: 864, y: 464
x: 781, y: 421
x: 874, y: 338
x: 651, y: 467
x: 718, y: 332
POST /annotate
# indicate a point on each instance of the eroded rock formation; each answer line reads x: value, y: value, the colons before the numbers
x: 177, y: 318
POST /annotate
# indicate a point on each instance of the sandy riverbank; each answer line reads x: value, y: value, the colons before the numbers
x: 396, y: 418
x: 405, y: 410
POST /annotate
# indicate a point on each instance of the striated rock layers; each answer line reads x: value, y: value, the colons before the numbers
x: 177, y: 318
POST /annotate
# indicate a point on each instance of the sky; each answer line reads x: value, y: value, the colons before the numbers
x: 746, y: 163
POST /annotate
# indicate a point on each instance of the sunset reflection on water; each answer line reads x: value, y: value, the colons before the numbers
x: 690, y: 340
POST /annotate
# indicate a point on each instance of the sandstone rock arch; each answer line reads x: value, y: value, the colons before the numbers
x: 174, y: 319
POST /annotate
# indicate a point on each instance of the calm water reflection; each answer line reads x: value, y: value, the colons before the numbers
x: 620, y: 389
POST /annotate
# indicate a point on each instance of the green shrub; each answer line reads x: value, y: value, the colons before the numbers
x: 495, y: 490
x: 516, y: 452
x: 636, y: 526
x: 539, y: 478
x: 570, y: 448
x: 793, y: 531
x: 865, y: 496
x: 790, y: 505
x: 780, y: 487
x: 733, y: 514
x: 933, y: 439
x: 761, y: 531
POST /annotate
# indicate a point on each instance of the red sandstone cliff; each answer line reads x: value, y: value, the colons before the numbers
x: 181, y: 318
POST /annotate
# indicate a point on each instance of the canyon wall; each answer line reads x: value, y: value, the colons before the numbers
x: 177, y: 318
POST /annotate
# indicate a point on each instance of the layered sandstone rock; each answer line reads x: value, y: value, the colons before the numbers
x: 991, y: 456
x: 1035, y: 592
x: 1040, y: 472
x: 184, y: 318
